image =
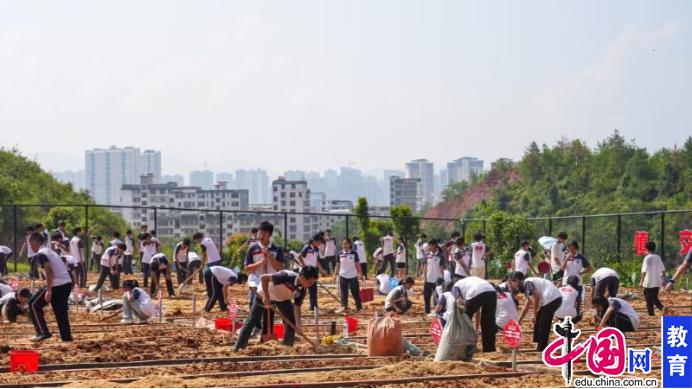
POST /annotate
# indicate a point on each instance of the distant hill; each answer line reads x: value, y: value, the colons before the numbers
x: 23, y: 181
x: 570, y: 178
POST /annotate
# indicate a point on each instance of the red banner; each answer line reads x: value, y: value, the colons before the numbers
x: 685, y: 241
x: 512, y: 334
x: 640, y: 240
x: 436, y: 330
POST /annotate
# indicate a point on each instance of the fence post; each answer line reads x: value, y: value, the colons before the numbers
x: 156, y: 217
x: 583, y: 234
x: 87, y: 249
x: 550, y: 226
x: 619, y: 239
x: 14, y: 235
x: 285, y: 229
x: 347, y: 234
x: 221, y: 230
x: 663, y: 234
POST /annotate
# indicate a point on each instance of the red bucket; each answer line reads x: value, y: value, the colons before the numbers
x: 279, y: 330
x: 352, y: 324
x: 225, y: 324
x: 367, y: 295
x: 24, y: 361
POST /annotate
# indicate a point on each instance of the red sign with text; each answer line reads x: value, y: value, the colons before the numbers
x: 640, y: 240
x: 512, y: 334
x: 436, y: 330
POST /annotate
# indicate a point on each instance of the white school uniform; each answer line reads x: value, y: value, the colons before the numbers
x: 653, y: 267
x: 505, y: 310
x: 569, y: 300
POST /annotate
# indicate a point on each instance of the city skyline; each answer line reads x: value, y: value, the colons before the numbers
x: 461, y: 78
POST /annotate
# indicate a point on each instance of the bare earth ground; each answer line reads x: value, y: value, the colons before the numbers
x: 100, y: 338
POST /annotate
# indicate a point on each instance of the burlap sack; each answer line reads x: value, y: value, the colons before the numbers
x: 385, y: 337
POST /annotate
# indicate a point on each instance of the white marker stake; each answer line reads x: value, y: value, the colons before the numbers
x: 317, y: 325
x: 100, y: 302
x: 160, y: 307
x: 514, y: 359
x: 194, y: 303
x: 32, y: 286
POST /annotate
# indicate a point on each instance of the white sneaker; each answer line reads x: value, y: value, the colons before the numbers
x: 432, y: 314
x: 126, y: 321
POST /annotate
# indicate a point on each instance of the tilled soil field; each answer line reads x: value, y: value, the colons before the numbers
x: 174, y: 353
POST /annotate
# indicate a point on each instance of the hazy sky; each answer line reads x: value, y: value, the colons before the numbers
x: 316, y: 84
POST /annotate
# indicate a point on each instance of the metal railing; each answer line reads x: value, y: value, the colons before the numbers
x: 603, y: 237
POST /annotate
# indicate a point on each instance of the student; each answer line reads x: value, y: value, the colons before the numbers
x: 96, y: 251
x: 5, y: 254
x: 109, y: 266
x: 378, y: 257
x: 478, y: 253
x: 115, y: 239
x: 14, y: 304
x: 575, y: 263
x: 603, y: 279
x: 61, y: 231
x: 129, y: 252
x: 571, y: 304
x: 46, y: 235
x: 545, y: 298
x: 506, y: 309
x: 397, y: 299
x: 194, y: 263
x: 440, y: 285
x: 445, y: 305
x: 280, y: 288
x: 180, y: 253
x: 653, y: 274
x: 56, y: 292
x: 329, y: 263
x: 210, y: 251
x: 348, y: 270
x: 681, y: 270
x: 522, y: 259
x: 362, y: 258
x: 421, y: 249
x: 72, y: 266
x: 149, y: 245
x: 29, y: 252
x: 387, y: 243
x: 462, y: 260
x: 77, y: 252
x: 263, y: 257
x: 432, y: 270
x: 142, y: 231
x: 450, y: 247
x: 221, y: 278
x: 160, y: 265
x: 383, y: 286
x: 309, y: 256
x: 136, y: 302
x: 616, y: 312
x: 292, y: 257
x: 476, y: 293
x: 557, y: 256
x: 4, y: 288
x: 401, y: 260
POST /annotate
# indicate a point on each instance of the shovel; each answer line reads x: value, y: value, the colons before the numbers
x: 270, y: 331
x: 184, y: 283
x: 296, y: 330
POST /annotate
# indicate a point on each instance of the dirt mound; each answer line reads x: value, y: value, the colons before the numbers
x: 483, y: 190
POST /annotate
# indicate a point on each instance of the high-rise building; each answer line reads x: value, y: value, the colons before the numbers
x: 385, y: 184
x: 425, y: 171
x: 151, y: 163
x: 350, y: 184
x: 107, y: 170
x: 463, y: 169
x: 76, y: 178
x: 202, y: 178
x: 255, y: 181
x: 177, y: 178
x: 405, y: 191
x: 294, y: 175
x: 227, y: 178
x: 316, y: 182
x: 294, y: 197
